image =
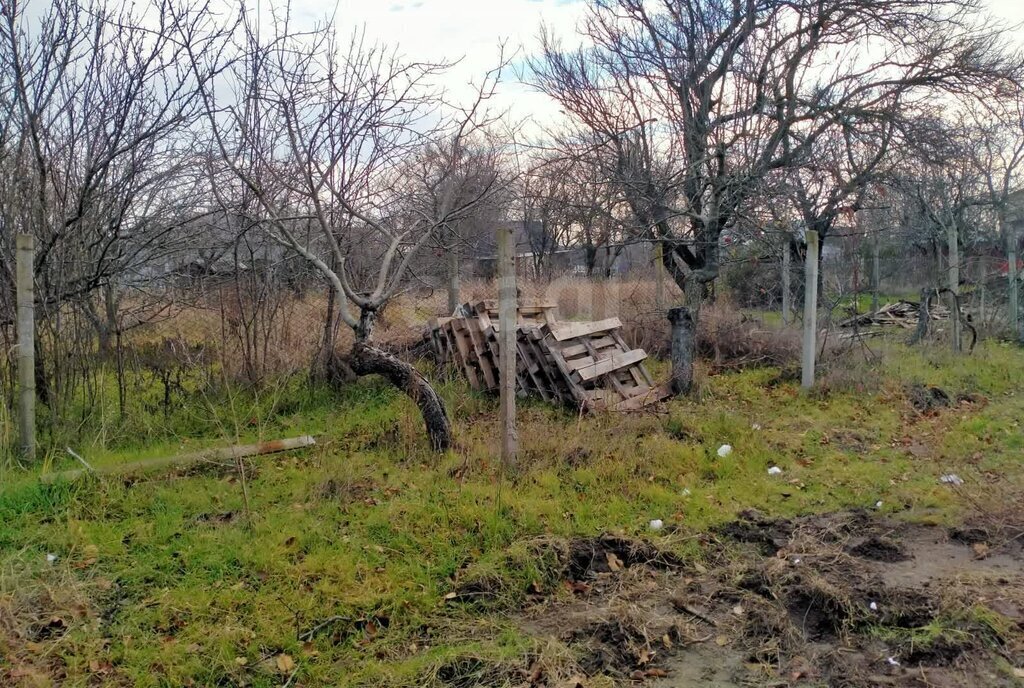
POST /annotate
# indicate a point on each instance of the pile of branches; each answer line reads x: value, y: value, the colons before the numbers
x: 904, y: 314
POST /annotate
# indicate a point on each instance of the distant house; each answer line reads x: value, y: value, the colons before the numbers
x: 531, y: 239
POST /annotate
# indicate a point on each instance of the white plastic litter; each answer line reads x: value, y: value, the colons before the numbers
x: 50, y: 558
x: 657, y: 524
x: 797, y: 560
x: 951, y: 479
x: 873, y: 606
x: 878, y: 504
x: 893, y: 661
x: 725, y: 450
x: 774, y: 470
x: 685, y: 492
x: 755, y: 426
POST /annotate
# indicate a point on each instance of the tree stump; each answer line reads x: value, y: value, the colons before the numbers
x: 683, y: 349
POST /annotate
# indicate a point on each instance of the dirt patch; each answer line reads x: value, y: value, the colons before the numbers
x: 928, y: 398
x: 217, y: 518
x: 848, y: 599
x: 753, y: 528
x: 589, y: 557
x: 879, y: 549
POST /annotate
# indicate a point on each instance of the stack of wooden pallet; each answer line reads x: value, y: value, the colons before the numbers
x: 581, y: 364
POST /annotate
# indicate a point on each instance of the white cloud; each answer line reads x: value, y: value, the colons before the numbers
x: 464, y: 30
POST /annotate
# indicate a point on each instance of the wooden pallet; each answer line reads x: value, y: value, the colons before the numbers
x: 581, y: 364
x: 601, y: 371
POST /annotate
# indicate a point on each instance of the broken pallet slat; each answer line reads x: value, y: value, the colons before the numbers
x: 593, y: 369
x: 564, y: 331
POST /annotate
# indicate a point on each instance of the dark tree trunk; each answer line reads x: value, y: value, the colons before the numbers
x: 923, y: 317
x: 369, y: 360
x: 41, y: 378
x: 683, y: 349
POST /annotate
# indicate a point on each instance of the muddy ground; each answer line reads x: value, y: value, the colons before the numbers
x: 849, y: 599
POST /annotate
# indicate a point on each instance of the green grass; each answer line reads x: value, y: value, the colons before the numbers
x: 189, y: 580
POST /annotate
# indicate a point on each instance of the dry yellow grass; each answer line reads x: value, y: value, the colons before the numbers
x: 287, y: 333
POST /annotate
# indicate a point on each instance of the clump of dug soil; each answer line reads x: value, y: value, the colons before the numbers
x: 847, y: 599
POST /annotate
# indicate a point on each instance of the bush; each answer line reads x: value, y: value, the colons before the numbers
x: 754, y: 280
x: 729, y: 339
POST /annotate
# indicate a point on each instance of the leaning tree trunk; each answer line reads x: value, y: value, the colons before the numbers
x: 369, y: 360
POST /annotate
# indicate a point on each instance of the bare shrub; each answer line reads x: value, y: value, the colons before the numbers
x: 731, y: 340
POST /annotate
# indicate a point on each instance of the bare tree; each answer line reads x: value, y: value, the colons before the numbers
x: 480, y: 185
x: 96, y: 101
x: 694, y: 103
x: 348, y: 153
x: 998, y: 155
x: 576, y: 207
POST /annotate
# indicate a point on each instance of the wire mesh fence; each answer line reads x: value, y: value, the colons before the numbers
x: 129, y: 356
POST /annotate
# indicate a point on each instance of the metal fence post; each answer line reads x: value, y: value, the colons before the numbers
x: 25, y: 247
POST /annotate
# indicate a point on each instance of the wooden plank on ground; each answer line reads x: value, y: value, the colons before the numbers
x: 184, y: 460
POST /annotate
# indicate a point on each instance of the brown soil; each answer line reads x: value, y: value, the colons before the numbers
x: 848, y: 599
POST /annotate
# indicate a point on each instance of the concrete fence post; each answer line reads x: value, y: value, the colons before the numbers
x: 1013, y: 286
x: 810, y: 339
x: 787, y: 296
x: 25, y: 248
x: 876, y: 272
x: 659, y: 276
x: 953, y: 242
x: 507, y: 348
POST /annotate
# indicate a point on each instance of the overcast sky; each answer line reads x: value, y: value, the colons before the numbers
x: 471, y: 29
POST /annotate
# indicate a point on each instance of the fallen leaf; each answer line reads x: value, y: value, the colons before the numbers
x: 656, y: 673
x: 614, y: 563
x: 536, y: 672
x: 980, y: 550
x: 721, y: 641
x: 577, y: 587
x: 285, y: 664
x: 90, y: 553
